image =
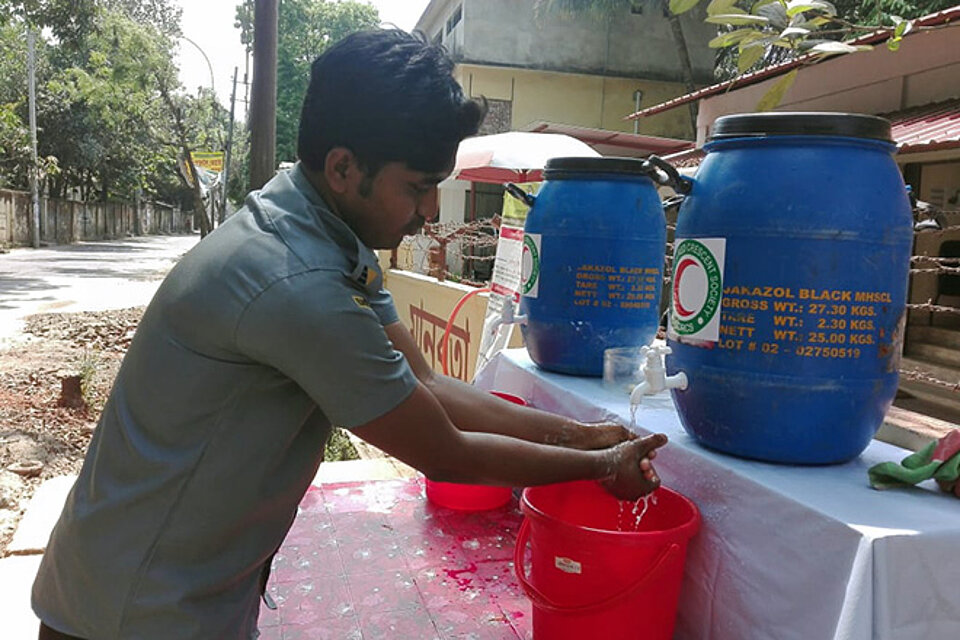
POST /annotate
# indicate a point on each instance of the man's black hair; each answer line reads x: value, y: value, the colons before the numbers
x: 388, y: 96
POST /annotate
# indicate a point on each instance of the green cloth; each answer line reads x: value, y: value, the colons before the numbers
x: 939, y: 460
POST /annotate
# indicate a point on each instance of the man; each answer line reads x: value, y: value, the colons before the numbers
x: 273, y: 328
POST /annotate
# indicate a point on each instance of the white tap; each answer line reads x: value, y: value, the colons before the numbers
x: 655, y: 378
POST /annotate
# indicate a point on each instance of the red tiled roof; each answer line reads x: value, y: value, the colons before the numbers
x: 686, y: 159
x: 927, y: 128
x: 941, y: 17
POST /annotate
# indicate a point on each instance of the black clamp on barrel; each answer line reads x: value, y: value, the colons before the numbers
x: 520, y: 194
x: 664, y: 173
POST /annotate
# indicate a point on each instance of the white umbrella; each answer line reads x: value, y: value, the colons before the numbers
x: 516, y: 156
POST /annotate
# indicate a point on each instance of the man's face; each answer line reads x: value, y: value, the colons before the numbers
x: 394, y: 203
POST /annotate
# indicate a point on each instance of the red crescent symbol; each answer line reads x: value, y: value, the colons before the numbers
x: 687, y: 262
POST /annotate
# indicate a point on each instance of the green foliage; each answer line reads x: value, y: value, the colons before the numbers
x: 14, y: 131
x: 14, y: 148
x: 339, y: 447
x: 766, y: 32
x: 305, y: 29
x: 682, y: 6
x: 103, y: 129
x: 89, y: 366
x: 774, y: 96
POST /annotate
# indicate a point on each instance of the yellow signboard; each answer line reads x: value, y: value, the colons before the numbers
x: 209, y: 160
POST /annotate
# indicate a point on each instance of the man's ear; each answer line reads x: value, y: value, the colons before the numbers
x: 341, y: 169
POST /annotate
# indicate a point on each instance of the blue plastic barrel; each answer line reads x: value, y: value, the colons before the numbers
x: 790, y: 279
x: 594, y: 246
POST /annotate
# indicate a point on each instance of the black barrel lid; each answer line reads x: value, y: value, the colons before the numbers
x: 557, y: 167
x: 754, y: 125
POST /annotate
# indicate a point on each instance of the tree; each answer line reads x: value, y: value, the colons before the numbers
x: 306, y: 28
x: 111, y: 113
x: 15, y: 154
x: 757, y: 34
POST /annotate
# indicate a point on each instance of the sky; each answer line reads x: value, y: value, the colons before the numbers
x: 209, y: 24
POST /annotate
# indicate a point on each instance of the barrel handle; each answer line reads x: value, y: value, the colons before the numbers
x: 536, y: 596
x: 520, y: 194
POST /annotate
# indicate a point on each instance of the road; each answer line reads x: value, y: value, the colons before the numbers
x: 87, y: 276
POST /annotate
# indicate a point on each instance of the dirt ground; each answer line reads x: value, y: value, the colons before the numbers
x: 33, y: 427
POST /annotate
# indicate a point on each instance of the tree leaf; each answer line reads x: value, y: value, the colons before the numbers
x: 682, y: 6
x: 903, y: 28
x: 737, y: 19
x: 776, y: 14
x: 731, y: 38
x: 759, y: 4
x: 832, y: 47
x: 749, y: 56
x: 794, y: 32
x: 799, y: 6
x: 775, y: 94
x: 717, y: 7
x: 759, y: 40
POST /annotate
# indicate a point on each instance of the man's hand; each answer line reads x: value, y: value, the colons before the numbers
x: 599, y: 435
x: 632, y: 473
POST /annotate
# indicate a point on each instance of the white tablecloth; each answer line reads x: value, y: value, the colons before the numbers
x: 805, y: 553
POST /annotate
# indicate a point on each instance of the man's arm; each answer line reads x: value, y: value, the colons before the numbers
x: 419, y: 433
x: 471, y: 409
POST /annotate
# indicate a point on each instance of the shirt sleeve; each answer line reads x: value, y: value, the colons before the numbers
x: 325, y: 335
x: 382, y: 304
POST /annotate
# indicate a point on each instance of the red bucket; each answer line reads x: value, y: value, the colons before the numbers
x: 471, y: 497
x: 595, y: 572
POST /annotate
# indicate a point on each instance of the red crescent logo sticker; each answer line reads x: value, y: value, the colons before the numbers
x: 686, y: 262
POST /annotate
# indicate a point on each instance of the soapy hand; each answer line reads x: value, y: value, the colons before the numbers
x: 633, y: 475
x: 600, y: 435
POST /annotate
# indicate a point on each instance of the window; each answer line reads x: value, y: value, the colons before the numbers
x: 438, y: 39
x: 454, y: 18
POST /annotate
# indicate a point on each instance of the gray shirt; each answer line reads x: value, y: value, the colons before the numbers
x: 264, y: 334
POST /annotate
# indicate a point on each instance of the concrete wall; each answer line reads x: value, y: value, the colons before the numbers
x: 926, y: 69
x: 940, y: 184
x: 66, y: 221
x: 425, y: 306
x: 579, y: 99
x: 507, y: 32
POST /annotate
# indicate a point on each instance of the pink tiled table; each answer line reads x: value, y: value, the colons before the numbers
x: 374, y: 560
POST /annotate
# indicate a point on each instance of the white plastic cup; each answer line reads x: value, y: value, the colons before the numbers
x: 621, y: 368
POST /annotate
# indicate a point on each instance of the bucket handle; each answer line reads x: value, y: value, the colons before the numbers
x: 536, y: 596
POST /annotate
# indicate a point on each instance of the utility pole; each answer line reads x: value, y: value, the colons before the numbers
x: 34, y: 164
x: 226, y: 161
x: 263, y: 105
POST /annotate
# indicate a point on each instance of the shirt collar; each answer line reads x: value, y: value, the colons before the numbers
x: 366, y: 273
